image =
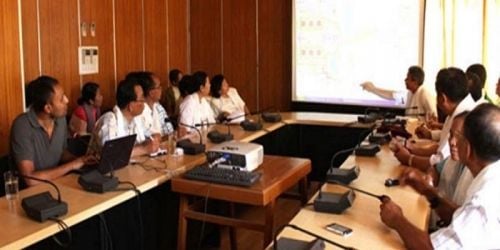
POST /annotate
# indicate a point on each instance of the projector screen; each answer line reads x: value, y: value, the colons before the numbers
x: 338, y: 44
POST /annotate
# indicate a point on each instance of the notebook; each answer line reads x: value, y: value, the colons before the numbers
x: 115, y: 154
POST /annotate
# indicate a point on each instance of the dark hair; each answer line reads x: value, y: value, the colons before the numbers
x: 125, y: 93
x: 482, y: 130
x: 186, y: 85
x: 417, y: 74
x: 89, y: 91
x: 474, y: 85
x: 39, y: 91
x: 480, y: 71
x: 144, y: 78
x: 199, y: 79
x: 216, y: 85
x: 173, y: 74
x: 453, y: 83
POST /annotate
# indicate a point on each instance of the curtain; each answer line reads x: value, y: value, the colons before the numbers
x: 459, y: 33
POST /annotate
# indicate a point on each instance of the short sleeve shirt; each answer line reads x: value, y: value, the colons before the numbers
x: 29, y: 141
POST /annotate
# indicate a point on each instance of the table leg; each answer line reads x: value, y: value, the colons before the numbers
x: 269, y: 224
x: 303, y: 190
x: 182, y: 230
x: 232, y: 230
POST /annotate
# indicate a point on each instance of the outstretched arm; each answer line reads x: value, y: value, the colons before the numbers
x: 384, y: 93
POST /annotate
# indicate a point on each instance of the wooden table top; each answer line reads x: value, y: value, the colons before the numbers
x: 278, y: 174
x: 19, y: 231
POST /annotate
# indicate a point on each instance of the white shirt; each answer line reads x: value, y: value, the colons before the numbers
x: 231, y: 103
x: 150, y: 120
x: 160, y: 114
x: 114, y: 125
x: 476, y: 224
x: 424, y: 100
x: 443, y: 150
x: 195, y: 110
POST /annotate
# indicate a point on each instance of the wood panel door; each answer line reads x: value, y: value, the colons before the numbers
x: 100, y: 14
x: 178, y: 43
x: 31, y: 56
x: 59, y: 43
x: 156, y: 37
x: 275, y: 54
x: 129, y: 37
x: 206, y: 36
x: 240, y: 48
x: 10, y: 71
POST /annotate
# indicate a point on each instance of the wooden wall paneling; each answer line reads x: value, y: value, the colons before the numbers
x: 205, y: 30
x: 156, y: 37
x: 10, y: 70
x: 240, y: 48
x: 100, y: 12
x: 275, y: 54
x: 29, y: 14
x: 178, y: 49
x: 129, y: 37
x: 59, y: 43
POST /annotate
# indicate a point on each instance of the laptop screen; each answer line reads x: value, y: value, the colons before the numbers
x: 116, y: 153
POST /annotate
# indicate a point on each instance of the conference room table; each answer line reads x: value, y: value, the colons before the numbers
x: 363, y: 217
x: 18, y: 231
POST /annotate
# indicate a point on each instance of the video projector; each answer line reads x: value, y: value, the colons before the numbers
x: 237, y: 155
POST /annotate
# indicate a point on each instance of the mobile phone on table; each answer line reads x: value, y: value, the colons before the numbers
x: 339, y: 229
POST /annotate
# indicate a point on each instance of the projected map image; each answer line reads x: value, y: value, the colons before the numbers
x: 340, y: 44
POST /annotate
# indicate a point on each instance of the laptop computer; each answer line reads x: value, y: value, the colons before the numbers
x: 115, y: 154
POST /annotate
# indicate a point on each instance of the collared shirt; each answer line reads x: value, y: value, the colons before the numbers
x: 424, y: 100
x: 476, y: 224
x: 114, y: 125
x: 231, y: 104
x: 165, y: 126
x: 443, y: 150
x: 150, y: 119
x: 195, y: 110
x: 29, y: 141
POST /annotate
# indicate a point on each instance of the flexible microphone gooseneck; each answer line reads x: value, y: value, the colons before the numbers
x: 215, y: 136
x: 275, y: 240
x: 44, y: 181
x: 379, y: 197
x: 189, y: 147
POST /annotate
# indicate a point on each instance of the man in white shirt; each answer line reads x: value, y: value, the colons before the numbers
x: 195, y: 109
x: 450, y: 178
x: 154, y: 116
x: 417, y: 96
x: 452, y: 98
x: 475, y: 224
x: 125, y: 119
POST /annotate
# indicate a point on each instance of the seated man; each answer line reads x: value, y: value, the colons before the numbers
x: 125, y: 120
x: 451, y: 178
x: 38, y: 137
x: 475, y: 224
x: 154, y: 116
x: 452, y: 98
